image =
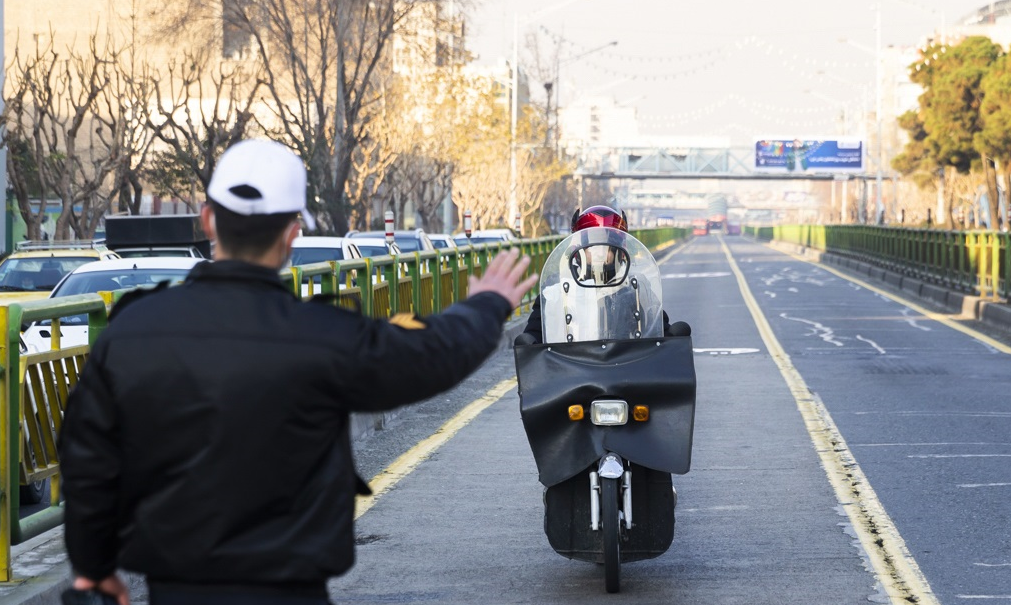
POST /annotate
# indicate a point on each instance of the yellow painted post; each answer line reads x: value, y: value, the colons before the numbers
x: 7, y: 462
x: 981, y: 261
x: 994, y: 266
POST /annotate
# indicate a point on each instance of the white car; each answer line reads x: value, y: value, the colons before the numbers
x: 376, y: 246
x: 409, y: 240
x: 307, y: 250
x: 104, y: 276
x: 486, y: 236
x: 442, y: 241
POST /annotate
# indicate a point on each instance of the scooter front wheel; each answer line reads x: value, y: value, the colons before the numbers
x: 610, y: 525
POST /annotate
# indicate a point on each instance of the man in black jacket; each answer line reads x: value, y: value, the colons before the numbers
x: 206, y: 445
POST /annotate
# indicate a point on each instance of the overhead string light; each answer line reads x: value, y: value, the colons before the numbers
x: 560, y: 40
x: 704, y: 60
x: 780, y: 115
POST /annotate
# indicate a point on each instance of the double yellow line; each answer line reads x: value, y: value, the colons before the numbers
x: 894, y: 566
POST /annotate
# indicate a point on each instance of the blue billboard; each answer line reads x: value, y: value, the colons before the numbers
x: 809, y: 155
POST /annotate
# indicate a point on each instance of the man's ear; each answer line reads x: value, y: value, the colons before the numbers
x: 293, y: 231
x: 208, y: 223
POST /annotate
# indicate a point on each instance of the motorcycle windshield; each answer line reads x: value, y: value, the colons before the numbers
x: 600, y: 284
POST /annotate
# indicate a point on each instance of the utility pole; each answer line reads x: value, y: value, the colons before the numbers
x: 879, y: 206
x: 6, y: 228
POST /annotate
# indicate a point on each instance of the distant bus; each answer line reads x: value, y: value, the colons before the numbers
x: 700, y: 226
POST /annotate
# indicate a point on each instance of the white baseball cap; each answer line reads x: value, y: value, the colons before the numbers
x: 259, y: 176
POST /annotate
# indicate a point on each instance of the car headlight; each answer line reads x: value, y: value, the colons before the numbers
x: 609, y: 412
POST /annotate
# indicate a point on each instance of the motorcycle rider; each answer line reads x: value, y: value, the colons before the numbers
x: 594, y: 216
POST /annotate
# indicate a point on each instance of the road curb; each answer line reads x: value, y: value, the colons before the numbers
x: 996, y: 314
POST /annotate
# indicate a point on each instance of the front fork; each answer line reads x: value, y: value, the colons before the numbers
x: 611, y: 466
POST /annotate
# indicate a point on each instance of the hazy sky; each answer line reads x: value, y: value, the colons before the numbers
x: 736, y: 68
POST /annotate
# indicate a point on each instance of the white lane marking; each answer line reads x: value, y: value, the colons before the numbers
x: 726, y: 351
x: 973, y: 485
x: 771, y: 294
x: 993, y: 564
x: 959, y: 456
x: 794, y: 290
x: 872, y: 343
x: 913, y: 321
x: 1003, y: 597
x: 822, y: 332
x: 694, y: 275
x: 941, y: 318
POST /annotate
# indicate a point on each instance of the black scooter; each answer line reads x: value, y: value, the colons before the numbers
x: 609, y: 419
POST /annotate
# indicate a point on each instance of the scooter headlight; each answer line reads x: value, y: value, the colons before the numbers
x: 609, y: 412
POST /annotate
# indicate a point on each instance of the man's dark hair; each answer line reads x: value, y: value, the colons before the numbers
x: 248, y: 236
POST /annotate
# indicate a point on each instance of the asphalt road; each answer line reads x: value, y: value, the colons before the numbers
x: 921, y: 417
x: 922, y: 407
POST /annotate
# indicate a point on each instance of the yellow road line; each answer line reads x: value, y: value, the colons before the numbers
x: 893, y: 565
x: 938, y: 317
x: 409, y: 460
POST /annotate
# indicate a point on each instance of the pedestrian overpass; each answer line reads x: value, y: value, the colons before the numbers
x: 648, y: 163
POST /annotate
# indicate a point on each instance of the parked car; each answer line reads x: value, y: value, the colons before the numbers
x: 307, y: 250
x: 103, y: 276
x: 442, y: 241
x: 413, y: 240
x: 35, y: 267
x: 485, y: 236
x: 376, y: 246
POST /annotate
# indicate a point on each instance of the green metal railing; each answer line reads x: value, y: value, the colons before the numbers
x: 33, y: 397
x: 977, y: 262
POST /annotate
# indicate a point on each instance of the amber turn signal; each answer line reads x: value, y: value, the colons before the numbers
x: 640, y: 413
x: 575, y: 412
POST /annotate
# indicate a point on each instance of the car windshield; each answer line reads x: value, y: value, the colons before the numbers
x: 307, y: 256
x: 481, y: 240
x: 373, y: 250
x: 37, y: 273
x: 408, y: 244
x: 440, y: 243
x: 103, y: 281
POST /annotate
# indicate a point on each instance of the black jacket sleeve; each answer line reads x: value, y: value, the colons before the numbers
x: 90, y: 466
x: 434, y: 353
x: 533, y: 327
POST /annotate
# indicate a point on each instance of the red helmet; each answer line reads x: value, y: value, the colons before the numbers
x: 599, y: 216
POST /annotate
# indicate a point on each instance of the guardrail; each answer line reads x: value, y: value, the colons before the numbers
x: 33, y: 397
x: 976, y: 262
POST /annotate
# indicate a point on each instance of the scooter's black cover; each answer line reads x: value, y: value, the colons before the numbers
x: 657, y: 372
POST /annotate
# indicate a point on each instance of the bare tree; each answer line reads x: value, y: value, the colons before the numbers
x: 67, y: 146
x: 320, y: 59
x: 199, y: 108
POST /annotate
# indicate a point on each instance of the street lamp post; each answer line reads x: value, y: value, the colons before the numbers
x: 876, y: 53
x: 880, y: 207
x: 513, y: 207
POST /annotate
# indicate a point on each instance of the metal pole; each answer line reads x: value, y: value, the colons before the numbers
x: 6, y: 217
x: 511, y: 210
x: 879, y: 208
